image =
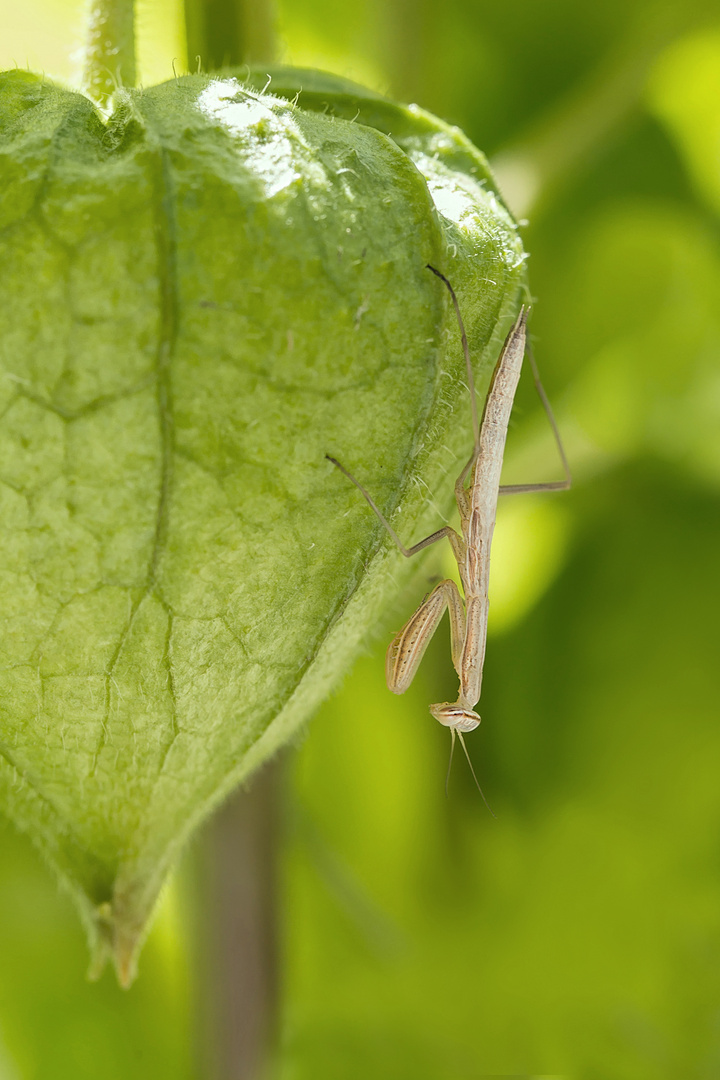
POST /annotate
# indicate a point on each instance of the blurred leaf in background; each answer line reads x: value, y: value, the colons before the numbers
x: 579, y: 933
x: 53, y: 1022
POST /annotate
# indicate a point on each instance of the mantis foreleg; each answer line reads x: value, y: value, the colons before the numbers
x: 409, y: 644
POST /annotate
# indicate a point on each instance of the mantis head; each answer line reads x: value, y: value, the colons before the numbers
x: 455, y: 716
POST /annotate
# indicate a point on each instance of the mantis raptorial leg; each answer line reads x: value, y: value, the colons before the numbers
x: 477, y: 505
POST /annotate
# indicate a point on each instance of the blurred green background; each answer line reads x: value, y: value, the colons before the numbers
x: 578, y: 934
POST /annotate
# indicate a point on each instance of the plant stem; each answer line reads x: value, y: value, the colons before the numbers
x: 109, y: 48
x: 227, y: 33
x: 237, y: 965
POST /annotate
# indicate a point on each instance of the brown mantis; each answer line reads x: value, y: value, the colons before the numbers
x: 477, y: 505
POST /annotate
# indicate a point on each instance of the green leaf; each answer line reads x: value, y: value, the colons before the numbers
x: 683, y: 92
x: 203, y: 295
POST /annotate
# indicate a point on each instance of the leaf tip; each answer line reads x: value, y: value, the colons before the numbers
x: 112, y: 940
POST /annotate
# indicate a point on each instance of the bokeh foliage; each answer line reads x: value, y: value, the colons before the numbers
x: 578, y: 934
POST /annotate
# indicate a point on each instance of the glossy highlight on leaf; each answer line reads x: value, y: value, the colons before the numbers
x: 204, y: 294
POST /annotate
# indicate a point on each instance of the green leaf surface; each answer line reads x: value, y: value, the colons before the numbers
x: 204, y: 294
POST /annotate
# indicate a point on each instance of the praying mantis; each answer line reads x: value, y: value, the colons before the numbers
x: 477, y: 506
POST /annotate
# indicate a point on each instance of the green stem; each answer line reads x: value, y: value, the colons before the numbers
x: 228, y: 33
x: 109, y: 48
